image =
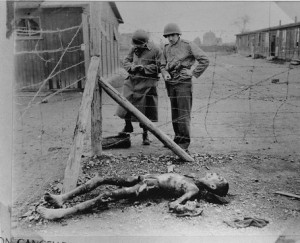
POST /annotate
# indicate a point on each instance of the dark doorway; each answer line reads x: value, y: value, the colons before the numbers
x: 273, y: 45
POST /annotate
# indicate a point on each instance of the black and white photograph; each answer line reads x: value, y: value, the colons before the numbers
x: 150, y: 121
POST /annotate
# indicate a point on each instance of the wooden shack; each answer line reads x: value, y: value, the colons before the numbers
x: 280, y: 41
x: 45, y: 31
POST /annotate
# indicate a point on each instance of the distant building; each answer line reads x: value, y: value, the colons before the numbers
x: 210, y: 39
x: 219, y: 41
x: 197, y: 41
x: 280, y: 41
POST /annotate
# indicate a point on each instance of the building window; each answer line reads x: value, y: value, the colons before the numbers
x: 28, y: 27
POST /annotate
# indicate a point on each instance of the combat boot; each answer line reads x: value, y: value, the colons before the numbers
x: 146, y: 140
x: 128, y: 128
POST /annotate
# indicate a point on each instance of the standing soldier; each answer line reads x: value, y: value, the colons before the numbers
x: 178, y: 57
x: 142, y: 64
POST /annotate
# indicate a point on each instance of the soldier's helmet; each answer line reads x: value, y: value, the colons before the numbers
x: 140, y: 37
x: 171, y: 29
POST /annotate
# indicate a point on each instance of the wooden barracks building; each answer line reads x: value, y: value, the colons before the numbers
x: 46, y: 30
x: 280, y: 42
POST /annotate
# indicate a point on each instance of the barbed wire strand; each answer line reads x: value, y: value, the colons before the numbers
x: 209, y: 98
x: 61, y: 90
x: 49, y: 31
x: 249, y: 103
x: 42, y: 132
x: 52, y: 76
x: 283, y: 102
x: 70, y: 49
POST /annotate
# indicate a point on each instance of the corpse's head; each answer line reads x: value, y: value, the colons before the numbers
x: 215, y: 183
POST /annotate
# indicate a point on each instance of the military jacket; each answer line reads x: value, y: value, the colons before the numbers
x: 179, y: 57
x: 140, y: 86
x: 149, y: 57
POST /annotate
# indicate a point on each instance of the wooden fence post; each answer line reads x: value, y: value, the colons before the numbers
x: 114, y: 94
x: 73, y: 164
x: 86, y: 40
x: 96, y: 121
x: 96, y: 108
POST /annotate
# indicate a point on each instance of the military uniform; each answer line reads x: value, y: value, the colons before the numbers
x: 140, y: 86
x: 176, y: 60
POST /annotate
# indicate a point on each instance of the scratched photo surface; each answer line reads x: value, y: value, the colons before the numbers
x: 150, y: 121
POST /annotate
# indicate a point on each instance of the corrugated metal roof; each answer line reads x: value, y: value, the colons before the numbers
x: 270, y: 29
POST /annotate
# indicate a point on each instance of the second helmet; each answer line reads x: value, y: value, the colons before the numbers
x: 140, y: 37
x: 171, y: 29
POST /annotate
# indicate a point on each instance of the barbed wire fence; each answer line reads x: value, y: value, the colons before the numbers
x: 197, y: 85
x: 217, y: 71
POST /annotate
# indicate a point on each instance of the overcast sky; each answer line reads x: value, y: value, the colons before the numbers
x: 196, y: 18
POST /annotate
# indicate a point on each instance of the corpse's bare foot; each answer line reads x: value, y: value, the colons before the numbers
x: 54, y: 200
x: 48, y: 213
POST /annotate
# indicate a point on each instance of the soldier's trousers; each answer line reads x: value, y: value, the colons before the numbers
x: 181, y: 105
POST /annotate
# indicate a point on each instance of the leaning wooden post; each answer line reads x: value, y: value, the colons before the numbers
x: 114, y: 94
x: 73, y: 164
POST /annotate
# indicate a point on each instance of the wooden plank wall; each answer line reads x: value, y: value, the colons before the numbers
x: 29, y: 68
x: 290, y: 43
x: 61, y: 19
x: 110, y: 45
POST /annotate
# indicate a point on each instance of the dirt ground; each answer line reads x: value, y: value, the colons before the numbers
x: 245, y: 126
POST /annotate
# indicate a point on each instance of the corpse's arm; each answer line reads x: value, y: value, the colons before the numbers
x: 188, y: 195
x: 202, y: 59
x: 190, y: 191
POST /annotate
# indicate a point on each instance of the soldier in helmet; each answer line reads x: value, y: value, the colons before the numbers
x: 176, y: 67
x: 142, y: 64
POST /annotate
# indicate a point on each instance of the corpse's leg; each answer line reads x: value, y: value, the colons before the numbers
x: 58, y: 200
x: 89, y: 204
